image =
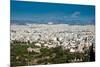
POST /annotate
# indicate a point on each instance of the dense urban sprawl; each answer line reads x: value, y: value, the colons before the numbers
x: 39, y: 43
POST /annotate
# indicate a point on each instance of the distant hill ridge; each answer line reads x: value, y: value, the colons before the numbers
x: 76, y: 22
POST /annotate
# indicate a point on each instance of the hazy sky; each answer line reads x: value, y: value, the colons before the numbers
x: 36, y: 11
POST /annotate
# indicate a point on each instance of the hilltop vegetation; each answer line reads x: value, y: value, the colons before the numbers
x: 20, y: 56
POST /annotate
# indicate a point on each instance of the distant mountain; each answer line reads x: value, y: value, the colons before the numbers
x: 70, y: 22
